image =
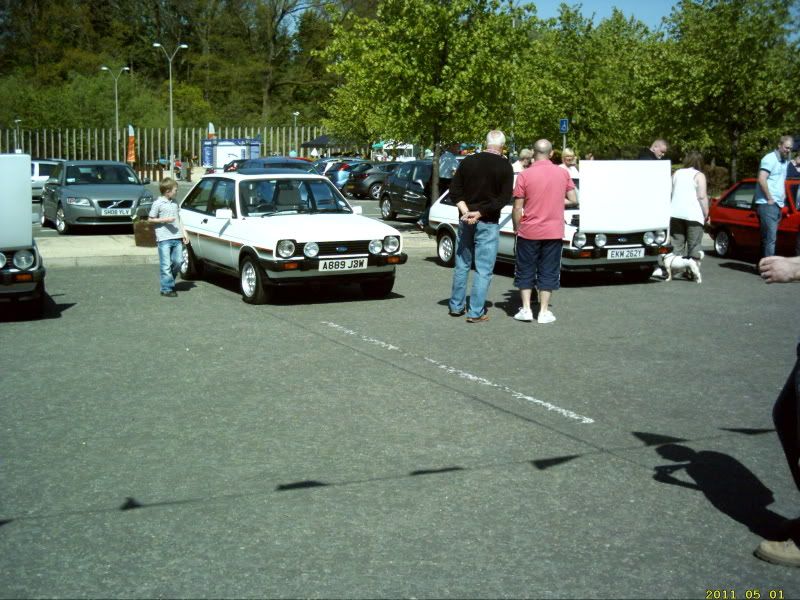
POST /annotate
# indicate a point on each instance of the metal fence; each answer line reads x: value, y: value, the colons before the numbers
x: 151, y: 145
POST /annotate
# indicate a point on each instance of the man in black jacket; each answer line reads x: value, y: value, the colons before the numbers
x: 481, y: 186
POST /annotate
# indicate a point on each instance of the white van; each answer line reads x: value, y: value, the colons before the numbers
x: 21, y: 269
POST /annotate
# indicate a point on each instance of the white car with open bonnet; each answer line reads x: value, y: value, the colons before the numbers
x: 284, y: 227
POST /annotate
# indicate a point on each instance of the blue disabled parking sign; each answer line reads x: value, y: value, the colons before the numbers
x: 563, y: 125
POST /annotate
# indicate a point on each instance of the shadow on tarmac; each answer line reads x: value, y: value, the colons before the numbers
x: 24, y: 311
x: 727, y: 484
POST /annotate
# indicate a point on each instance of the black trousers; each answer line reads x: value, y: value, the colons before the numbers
x: 785, y: 415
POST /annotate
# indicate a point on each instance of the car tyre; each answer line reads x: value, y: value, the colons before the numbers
x: 61, y: 222
x: 375, y: 191
x: 252, y: 282
x: 446, y: 249
x: 191, y: 267
x: 723, y: 243
x: 378, y: 289
x: 387, y: 214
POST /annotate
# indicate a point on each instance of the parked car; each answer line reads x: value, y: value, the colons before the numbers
x: 367, y: 179
x: 407, y: 190
x: 276, y: 162
x: 339, y: 171
x: 22, y: 272
x: 285, y: 228
x: 734, y: 225
x: 606, y: 233
x: 93, y: 192
x: 40, y: 173
x: 234, y: 165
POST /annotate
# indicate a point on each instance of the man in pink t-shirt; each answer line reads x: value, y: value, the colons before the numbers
x: 540, y: 194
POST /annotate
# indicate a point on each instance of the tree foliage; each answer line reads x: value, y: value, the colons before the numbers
x: 717, y: 75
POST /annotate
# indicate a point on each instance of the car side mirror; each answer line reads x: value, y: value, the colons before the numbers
x: 52, y: 180
x: 145, y: 180
x: 224, y: 213
x: 357, y: 210
x: 419, y: 183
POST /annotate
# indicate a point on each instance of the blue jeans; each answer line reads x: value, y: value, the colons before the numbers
x: 170, y: 256
x: 769, y: 216
x: 478, y: 242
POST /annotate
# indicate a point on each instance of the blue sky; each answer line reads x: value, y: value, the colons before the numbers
x: 649, y: 12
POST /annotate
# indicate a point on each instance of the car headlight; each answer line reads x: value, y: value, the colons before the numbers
x: 600, y: 240
x: 375, y: 246
x: 311, y: 249
x: 146, y: 200
x: 579, y: 239
x: 79, y: 201
x: 3, y: 260
x: 285, y: 248
x: 23, y: 259
x: 661, y: 237
x: 391, y: 243
x: 649, y: 238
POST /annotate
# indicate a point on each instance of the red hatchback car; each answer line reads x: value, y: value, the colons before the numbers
x: 733, y: 222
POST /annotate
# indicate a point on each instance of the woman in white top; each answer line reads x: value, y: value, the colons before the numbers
x: 689, y: 207
x: 569, y: 162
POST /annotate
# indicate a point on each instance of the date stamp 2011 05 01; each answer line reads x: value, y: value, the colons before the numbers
x: 748, y: 594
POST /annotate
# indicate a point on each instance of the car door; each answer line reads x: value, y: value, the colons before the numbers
x: 790, y: 223
x: 507, y: 246
x: 736, y: 213
x: 50, y: 192
x: 397, y: 183
x: 415, y: 196
x: 194, y: 211
x: 216, y: 241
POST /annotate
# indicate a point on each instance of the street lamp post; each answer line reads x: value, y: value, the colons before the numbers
x: 171, y: 126
x: 16, y: 134
x: 295, y: 114
x: 116, y: 102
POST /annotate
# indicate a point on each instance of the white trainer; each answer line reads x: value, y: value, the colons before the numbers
x: 545, y: 317
x: 524, y: 314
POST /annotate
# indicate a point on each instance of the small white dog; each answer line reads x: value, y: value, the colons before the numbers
x: 673, y: 262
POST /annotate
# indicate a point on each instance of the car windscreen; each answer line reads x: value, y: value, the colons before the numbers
x: 100, y: 175
x: 271, y: 196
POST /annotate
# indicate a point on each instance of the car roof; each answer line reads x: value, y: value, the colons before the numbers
x: 249, y: 174
x: 273, y: 170
x: 94, y: 162
x: 279, y: 159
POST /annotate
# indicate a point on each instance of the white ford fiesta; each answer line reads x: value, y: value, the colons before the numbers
x: 283, y: 227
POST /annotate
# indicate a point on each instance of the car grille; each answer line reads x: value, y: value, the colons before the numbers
x: 115, y: 203
x: 330, y: 248
x: 622, y: 239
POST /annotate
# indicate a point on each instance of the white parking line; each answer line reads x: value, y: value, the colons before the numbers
x: 462, y: 374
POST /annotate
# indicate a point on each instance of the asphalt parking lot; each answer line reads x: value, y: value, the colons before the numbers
x: 332, y: 446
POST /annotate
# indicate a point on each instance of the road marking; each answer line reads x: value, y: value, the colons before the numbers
x: 564, y: 412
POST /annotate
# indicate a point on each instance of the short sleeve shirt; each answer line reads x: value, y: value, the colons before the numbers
x: 544, y: 187
x: 776, y: 180
x: 164, y: 207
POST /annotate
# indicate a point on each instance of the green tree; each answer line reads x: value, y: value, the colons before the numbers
x: 428, y: 72
x: 729, y: 74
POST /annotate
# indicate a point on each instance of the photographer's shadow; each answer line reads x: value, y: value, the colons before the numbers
x: 730, y: 487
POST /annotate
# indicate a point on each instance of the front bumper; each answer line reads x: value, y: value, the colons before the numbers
x: 596, y: 259
x: 304, y: 270
x: 21, y: 285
